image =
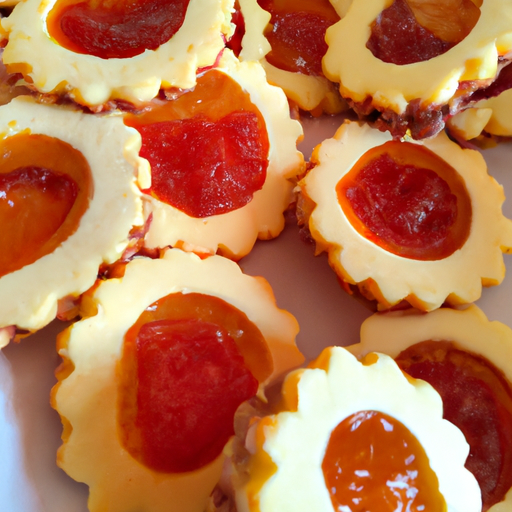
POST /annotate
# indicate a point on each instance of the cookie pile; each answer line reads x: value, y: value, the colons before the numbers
x: 147, y: 146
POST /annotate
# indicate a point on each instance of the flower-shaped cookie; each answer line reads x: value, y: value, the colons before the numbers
x: 435, y: 67
x: 69, y: 197
x: 414, y: 221
x: 292, y: 49
x: 151, y: 380
x: 221, y: 169
x: 468, y: 360
x: 96, y: 51
x: 355, y: 434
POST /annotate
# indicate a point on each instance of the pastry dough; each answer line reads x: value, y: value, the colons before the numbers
x: 87, y: 392
x: 434, y: 82
x: 284, y: 468
x: 388, y: 277
x: 91, y: 80
x: 30, y: 295
x: 466, y: 327
x: 234, y: 233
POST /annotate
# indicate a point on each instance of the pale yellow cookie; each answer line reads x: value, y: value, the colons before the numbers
x: 30, y: 296
x: 92, y: 80
x: 308, y: 92
x: 287, y: 463
x: 492, y: 116
x: 390, y: 277
x: 234, y: 233
x: 391, y: 87
x: 466, y: 327
x: 88, y: 393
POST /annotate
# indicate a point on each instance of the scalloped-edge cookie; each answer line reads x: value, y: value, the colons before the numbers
x: 434, y: 82
x: 466, y: 327
x: 290, y: 454
x: 91, y: 80
x: 492, y: 116
x: 389, y: 277
x: 311, y: 93
x: 87, y: 394
x: 30, y: 295
x: 234, y: 233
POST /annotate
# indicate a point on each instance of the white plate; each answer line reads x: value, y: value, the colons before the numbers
x: 303, y: 284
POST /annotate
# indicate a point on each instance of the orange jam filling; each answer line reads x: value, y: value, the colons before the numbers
x: 373, y: 462
x: 477, y: 398
x: 407, y: 200
x: 296, y: 33
x: 45, y: 188
x: 208, y: 148
x: 410, y: 31
x: 115, y: 30
x: 188, y: 362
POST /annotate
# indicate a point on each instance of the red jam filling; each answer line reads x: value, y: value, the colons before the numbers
x: 373, y: 462
x: 45, y: 187
x: 410, y: 31
x: 237, y: 18
x: 477, y: 398
x: 296, y: 34
x: 115, y: 30
x: 188, y: 362
x: 407, y: 200
x: 208, y: 148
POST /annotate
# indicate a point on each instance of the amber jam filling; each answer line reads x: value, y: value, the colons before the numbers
x: 411, y: 31
x: 45, y: 188
x: 477, y: 398
x: 373, y: 462
x: 188, y: 362
x: 407, y: 200
x: 115, y: 30
x: 208, y: 148
x: 296, y: 33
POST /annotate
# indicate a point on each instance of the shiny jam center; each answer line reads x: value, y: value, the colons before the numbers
x: 45, y: 187
x: 410, y: 31
x: 208, y: 148
x: 115, y: 30
x: 296, y: 34
x: 188, y: 362
x: 373, y: 462
x: 477, y: 398
x: 407, y: 200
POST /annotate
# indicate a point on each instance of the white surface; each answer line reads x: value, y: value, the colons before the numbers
x: 303, y: 284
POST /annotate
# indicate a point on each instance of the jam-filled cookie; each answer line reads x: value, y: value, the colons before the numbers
x: 405, y: 220
x: 69, y: 197
x: 97, y: 51
x: 352, y: 436
x: 468, y: 360
x: 409, y: 64
x: 151, y: 380
x: 295, y: 35
x: 222, y: 158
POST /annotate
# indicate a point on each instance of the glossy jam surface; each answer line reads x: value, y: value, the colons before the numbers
x: 410, y: 31
x: 208, y: 148
x: 297, y: 33
x: 115, y: 30
x: 188, y: 362
x: 45, y: 187
x: 407, y: 200
x: 373, y: 462
x: 477, y: 398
